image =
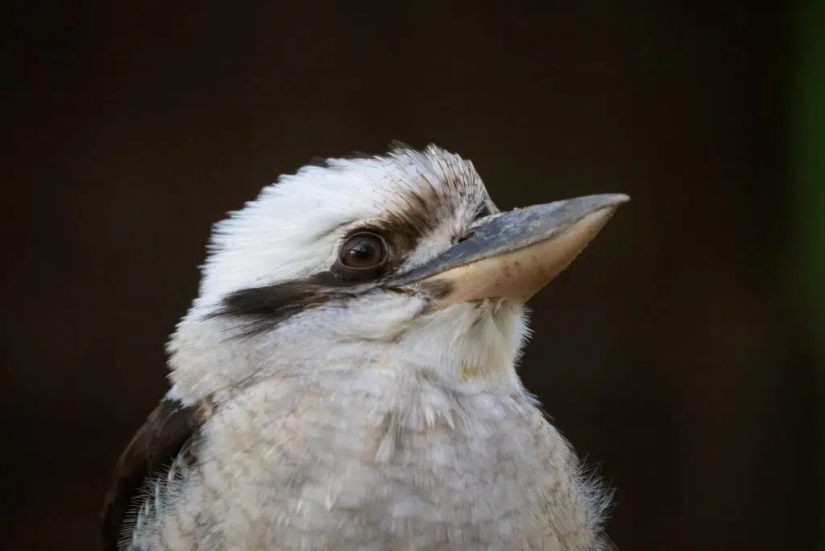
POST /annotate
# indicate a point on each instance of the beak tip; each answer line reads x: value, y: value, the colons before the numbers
x: 607, y: 204
x: 616, y: 199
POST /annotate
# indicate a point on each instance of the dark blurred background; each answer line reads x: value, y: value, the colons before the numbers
x: 673, y: 353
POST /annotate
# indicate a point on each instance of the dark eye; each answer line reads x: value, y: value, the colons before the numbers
x: 363, y: 251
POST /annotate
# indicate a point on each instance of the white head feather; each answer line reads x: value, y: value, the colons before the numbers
x: 293, y: 231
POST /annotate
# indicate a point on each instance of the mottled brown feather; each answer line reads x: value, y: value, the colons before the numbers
x: 152, y: 450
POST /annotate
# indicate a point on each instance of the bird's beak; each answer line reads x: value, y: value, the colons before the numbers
x: 514, y: 254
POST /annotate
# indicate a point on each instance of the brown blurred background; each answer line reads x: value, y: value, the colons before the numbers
x: 670, y: 353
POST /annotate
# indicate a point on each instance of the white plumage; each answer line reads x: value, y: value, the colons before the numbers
x: 336, y: 411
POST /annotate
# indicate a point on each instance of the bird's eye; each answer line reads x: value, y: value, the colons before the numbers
x: 363, y: 251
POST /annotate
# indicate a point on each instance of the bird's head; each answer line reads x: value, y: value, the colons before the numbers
x: 399, y: 262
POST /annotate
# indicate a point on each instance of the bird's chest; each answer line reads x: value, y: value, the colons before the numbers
x: 425, y: 470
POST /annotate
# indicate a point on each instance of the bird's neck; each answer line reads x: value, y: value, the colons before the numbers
x: 205, y: 358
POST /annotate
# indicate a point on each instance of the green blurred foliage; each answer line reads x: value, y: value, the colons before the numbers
x: 807, y: 154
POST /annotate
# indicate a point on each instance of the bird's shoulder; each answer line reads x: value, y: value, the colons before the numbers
x: 152, y: 450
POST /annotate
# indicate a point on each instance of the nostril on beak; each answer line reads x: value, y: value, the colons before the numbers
x: 465, y: 237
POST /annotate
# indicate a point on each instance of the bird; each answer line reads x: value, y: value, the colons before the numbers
x: 346, y: 378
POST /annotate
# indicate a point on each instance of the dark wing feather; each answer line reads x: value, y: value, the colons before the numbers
x: 152, y: 449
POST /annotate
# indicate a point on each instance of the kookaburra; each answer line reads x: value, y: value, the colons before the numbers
x: 346, y: 378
